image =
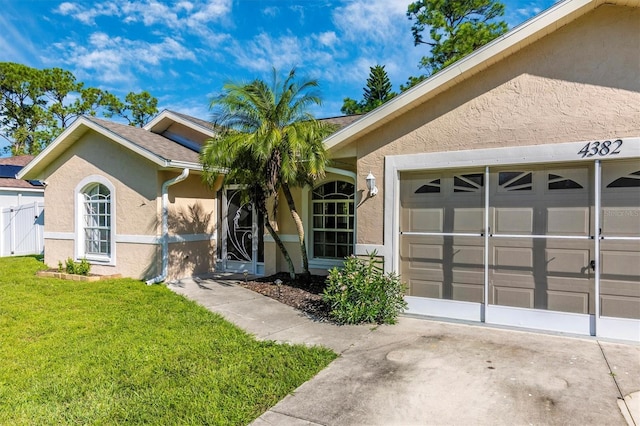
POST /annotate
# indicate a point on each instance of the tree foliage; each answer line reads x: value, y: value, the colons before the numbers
x: 37, y: 105
x: 137, y: 108
x: 456, y: 28
x: 268, y: 142
x: 376, y: 92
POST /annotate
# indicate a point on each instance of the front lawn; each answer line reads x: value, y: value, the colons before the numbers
x: 119, y: 351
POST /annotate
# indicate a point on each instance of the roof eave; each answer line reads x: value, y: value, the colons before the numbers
x: 170, y: 115
x: 75, y: 132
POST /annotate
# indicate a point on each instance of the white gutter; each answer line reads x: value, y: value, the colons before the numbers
x: 165, y: 226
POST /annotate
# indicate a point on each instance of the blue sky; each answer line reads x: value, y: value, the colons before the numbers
x: 183, y: 51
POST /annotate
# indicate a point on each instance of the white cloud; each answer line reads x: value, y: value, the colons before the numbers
x: 67, y: 8
x: 149, y: 13
x: 264, y: 52
x: 328, y: 38
x: 87, y: 15
x: 117, y: 59
x: 177, y: 16
x: 369, y: 20
x: 271, y: 11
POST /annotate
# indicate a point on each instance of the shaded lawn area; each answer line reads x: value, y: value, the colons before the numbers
x: 119, y: 351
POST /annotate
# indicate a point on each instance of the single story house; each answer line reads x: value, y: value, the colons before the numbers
x: 503, y: 189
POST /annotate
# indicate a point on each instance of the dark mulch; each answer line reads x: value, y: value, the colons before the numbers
x: 304, y: 294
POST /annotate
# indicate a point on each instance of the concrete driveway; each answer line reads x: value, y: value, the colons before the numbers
x: 423, y: 371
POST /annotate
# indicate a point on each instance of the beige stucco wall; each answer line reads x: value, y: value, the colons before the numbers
x: 133, y: 177
x: 192, y: 205
x: 579, y: 83
x: 134, y: 180
x: 138, y: 183
x: 191, y: 258
x: 192, y: 212
x: 275, y: 262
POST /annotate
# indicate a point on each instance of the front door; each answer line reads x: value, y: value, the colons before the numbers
x: 242, y: 242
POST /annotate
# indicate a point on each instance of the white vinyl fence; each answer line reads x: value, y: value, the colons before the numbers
x: 22, y: 229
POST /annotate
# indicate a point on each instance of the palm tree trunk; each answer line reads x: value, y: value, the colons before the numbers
x: 278, y: 241
x: 300, y: 228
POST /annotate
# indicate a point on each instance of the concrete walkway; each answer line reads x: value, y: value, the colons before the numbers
x: 423, y: 372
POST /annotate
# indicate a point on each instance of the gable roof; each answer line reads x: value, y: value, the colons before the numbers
x: 514, y: 40
x: 159, y: 150
x: 162, y: 121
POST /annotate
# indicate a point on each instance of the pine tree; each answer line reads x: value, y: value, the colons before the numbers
x: 376, y: 92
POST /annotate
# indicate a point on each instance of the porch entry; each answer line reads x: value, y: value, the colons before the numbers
x: 242, y: 236
x: 559, y: 240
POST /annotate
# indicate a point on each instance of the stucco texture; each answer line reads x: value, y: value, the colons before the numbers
x: 578, y: 83
x: 137, y: 185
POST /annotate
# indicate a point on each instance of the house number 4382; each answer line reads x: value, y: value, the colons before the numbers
x: 601, y: 149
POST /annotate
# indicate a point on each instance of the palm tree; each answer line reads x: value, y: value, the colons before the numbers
x: 270, y: 143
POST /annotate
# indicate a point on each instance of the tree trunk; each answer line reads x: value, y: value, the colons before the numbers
x: 278, y: 241
x: 298, y: 221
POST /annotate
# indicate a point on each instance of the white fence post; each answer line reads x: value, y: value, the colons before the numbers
x: 21, y: 230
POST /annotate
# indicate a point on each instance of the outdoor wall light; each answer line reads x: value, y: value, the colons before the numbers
x: 371, y: 184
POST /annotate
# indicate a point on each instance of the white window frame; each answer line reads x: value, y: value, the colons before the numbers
x: 79, y: 239
x: 307, y: 216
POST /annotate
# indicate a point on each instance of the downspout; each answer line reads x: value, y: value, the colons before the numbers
x: 165, y: 226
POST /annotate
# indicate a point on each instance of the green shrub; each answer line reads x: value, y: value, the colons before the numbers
x: 361, y: 292
x: 78, y: 268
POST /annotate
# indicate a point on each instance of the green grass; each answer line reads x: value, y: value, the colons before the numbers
x: 119, y: 351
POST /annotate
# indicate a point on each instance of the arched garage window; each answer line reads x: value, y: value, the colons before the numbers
x: 94, y: 220
x: 333, y: 220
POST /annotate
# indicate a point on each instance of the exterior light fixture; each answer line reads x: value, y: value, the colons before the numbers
x: 371, y: 184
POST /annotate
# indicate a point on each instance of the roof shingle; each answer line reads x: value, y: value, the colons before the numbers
x: 152, y: 142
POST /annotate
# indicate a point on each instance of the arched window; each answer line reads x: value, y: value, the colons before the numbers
x: 95, y: 220
x: 333, y: 220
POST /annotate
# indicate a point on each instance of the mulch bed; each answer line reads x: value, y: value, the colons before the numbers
x: 301, y: 294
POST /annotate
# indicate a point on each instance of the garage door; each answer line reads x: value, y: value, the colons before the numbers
x: 542, y: 237
x: 620, y: 244
x: 541, y: 249
x: 441, y: 244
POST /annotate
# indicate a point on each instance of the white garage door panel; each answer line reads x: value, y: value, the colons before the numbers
x: 568, y: 261
x: 513, y: 296
x: 468, y: 292
x: 422, y: 288
x: 621, y: 221
x: 620, y: 306
x: 620, y: 262
x: 568, y: 302
x: 425, y: 220
x: 468, y: 220
x: 421, y: 255
x: 568, y: 221
x: 513, y: 220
